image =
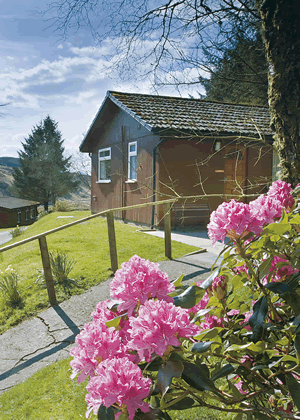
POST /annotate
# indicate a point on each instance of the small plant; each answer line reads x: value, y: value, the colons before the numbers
x: 9, y: 287
x: 61, y: 267
x: 17, y: 231
x: 61, y: 205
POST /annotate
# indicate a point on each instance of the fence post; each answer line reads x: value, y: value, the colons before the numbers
x: 167, y: 228
x: 112, y: 241
x: 47, y: 270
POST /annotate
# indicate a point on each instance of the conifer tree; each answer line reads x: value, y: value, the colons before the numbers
x: 44, y: 171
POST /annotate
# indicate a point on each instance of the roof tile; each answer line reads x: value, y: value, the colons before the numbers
x: 166, y: 112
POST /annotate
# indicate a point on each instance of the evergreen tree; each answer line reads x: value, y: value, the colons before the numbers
x: 44, y: 172
x: 240, y: 73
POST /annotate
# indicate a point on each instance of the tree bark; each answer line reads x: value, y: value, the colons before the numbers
x: 46, y: 205
x: 281, y: 34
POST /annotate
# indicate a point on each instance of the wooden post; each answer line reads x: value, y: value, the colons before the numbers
x: 167, y: 227
x: 112, y: 241
x: 47, y: 270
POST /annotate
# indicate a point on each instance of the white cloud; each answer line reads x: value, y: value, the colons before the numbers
x: 60, y: 46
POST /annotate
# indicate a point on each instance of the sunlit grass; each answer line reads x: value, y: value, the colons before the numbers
x: 85, y: 243
x: 51, y: 395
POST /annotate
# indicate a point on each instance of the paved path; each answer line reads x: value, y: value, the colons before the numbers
x: 4, y: 237
x: 47, y: 338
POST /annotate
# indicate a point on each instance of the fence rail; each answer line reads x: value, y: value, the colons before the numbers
x: 111, y: 239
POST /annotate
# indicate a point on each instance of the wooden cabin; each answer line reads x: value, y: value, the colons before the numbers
x: 146, y: 148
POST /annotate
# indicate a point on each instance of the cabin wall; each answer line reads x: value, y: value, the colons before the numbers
x: 120, y: 192
x: 11, y: 218
x: 191, y: 168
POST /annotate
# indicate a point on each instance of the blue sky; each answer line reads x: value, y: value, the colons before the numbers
x: 41, y: 74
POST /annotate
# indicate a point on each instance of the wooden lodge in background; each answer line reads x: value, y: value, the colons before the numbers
x: 146, y: 148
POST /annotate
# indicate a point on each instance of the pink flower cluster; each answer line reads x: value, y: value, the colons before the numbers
x: 282, y: 192
x: 149, y: 324
x: 235, y: 219
x: 280, y: 272
x: 118, y: 381
x: 138, y: 280
x: 159, y: 325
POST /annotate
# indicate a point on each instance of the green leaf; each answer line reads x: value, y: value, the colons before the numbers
x: 178, y: 281
x: 183, y: 404
x: 238, y: 347
x: 277, y: 228
x: 189, y: 297
x: 169, y: 370
x: 202, y: 346
x: 152, y: 366
x: 239, y: 417
x: 123, y: 416
x: 208, y: 334
x: 225, y: 371
x: 205, y: 285
x: 258, y: 347
x: 195, y: 377
x: 297, y: 344
x: 264, y: 267
x: 261, y: 416
x: 294, y: 388
x: 106, y: 413
x: 200, y: 313
x: 114, y: 322
x: 260, y: 310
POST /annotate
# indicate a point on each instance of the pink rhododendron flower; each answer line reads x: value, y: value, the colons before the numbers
x: 241, y: 387
x: 200, y: 305
x: 211, y: 321
x: 232, y: 219
x: 282, y: 192
x: 138, y: 280
x: 102, y: 312
x: 281, y: 272
x: 218, y: 287
x: 121, y: 382
x: 265, y: 209
x: 159, y: 325
x: 95, y: 342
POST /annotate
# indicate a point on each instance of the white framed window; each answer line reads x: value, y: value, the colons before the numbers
x: 132, y: 161
x: 32, y: 212
x: 104, y: 164
x: 19, y: 216
x: 26, y: 214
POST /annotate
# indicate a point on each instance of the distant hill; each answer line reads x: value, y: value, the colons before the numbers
x: 80, y: 198
x: 10, y: 162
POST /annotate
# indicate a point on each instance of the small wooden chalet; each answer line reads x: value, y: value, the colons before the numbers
x: 16, y: 211
x: 146, y: 148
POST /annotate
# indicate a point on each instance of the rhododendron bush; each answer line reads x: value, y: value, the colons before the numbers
x: 230, y: 343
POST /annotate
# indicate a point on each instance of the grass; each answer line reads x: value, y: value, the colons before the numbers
x: 50, y: 394
x: 85, y: 243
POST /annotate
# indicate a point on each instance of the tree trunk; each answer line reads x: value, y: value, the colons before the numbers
x: 46, y: 205
x: 281, y: 34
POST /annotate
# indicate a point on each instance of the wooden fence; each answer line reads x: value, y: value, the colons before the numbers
x: 111, y: 240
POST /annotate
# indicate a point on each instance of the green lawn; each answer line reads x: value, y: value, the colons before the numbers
x: 51, y: 395
x: 85, y: 243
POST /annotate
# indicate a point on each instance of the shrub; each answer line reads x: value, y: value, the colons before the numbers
x: 17, y: 231
x: 230, y: 343
x: 42, y: 214
x: 61, y: 205
x: 61, y: 267
x: 9, y: 287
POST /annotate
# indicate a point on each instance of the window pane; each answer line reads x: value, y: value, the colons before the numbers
x: 104, y: 169
x: 132, y: 148
x: 132, y: 167
x: 105, y: 153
